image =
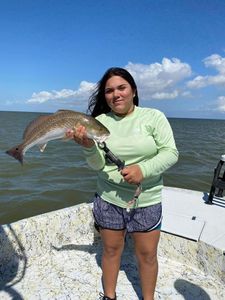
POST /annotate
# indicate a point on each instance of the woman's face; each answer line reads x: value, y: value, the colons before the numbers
x: 119, y: 95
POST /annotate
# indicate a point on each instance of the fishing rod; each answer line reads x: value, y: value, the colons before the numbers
x: 121, y: 164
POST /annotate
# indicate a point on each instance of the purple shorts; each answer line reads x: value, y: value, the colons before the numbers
x: 141, y: 219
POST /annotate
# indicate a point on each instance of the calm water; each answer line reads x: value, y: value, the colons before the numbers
x: 59, y: 177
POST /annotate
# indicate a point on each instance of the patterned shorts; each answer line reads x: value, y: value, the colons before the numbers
x: 142, y: 219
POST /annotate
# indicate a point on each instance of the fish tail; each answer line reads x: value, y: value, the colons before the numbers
x: 16, y: 152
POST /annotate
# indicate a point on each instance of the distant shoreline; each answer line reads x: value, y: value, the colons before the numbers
x: 169, y: 117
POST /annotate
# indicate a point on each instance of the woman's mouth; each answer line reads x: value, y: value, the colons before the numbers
x: 117, y: 101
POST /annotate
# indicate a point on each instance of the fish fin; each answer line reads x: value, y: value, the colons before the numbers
x: 42, y: 147
x: 65, y: 139
x: 68, y: 135
x: 62, y: 110
x: 16, y: 152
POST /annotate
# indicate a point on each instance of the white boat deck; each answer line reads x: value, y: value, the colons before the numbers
x: 57, y: 255
x: 187, y: 215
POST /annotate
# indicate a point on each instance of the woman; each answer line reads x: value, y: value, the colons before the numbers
x: 143, y: 138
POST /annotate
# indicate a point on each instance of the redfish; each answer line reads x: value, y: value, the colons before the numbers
x: 55, y: 126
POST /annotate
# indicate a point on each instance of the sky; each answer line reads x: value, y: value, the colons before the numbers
x: 53, y: 52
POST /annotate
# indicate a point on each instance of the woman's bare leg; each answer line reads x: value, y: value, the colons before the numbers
x: 146, y: 251
x: 113, y: 244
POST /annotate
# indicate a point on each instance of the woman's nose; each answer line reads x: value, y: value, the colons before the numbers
x: 116, y: 94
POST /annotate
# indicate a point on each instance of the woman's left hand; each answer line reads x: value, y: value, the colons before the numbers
x: 132, y: 174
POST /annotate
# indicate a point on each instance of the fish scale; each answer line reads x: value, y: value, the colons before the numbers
x: 46, y: 128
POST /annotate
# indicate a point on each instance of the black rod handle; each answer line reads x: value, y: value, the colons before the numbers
x: 112, y: 157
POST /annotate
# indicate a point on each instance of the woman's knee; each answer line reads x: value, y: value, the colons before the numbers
x: 113, y: 242
x: 145, y: 257
x: 112, y: 250
x: 146, y: 245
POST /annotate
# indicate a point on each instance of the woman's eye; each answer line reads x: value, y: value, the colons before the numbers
x: 119, y: 88
x: 108, y: 91
x: 122, y: 88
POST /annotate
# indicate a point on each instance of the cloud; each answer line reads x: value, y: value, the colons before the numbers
x: 216, y: 62
x: 82, y: 93
x: 221, y: 103
x: 163, y: 95
x: 154, y: 81
x: 159, y: 80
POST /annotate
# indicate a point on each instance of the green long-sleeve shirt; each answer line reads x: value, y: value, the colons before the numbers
x: 143, y: 137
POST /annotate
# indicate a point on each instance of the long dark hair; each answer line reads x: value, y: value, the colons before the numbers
x: 97, y: 103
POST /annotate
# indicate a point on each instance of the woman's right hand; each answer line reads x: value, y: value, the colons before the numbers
x: 80, y: 136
